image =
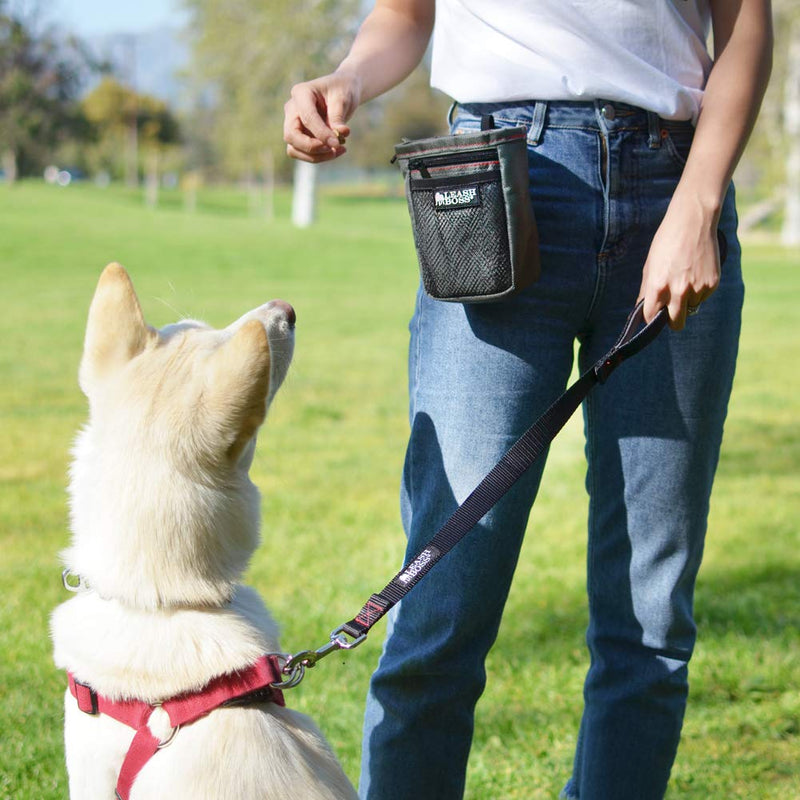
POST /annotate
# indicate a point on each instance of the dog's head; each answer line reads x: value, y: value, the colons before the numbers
x: 163, y: 510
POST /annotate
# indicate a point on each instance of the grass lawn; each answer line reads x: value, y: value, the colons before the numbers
x: 328, y: 465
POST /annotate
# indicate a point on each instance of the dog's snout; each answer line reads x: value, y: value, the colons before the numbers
x: 287, y: 309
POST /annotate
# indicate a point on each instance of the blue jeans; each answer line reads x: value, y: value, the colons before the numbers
x: 479, y: 375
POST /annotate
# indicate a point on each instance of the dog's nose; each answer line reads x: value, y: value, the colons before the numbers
x: 287, y: 309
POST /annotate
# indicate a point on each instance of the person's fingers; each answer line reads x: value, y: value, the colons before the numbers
x: 296, y: 132
x: 338, y: 112
x: 676, y: 308
x: 301, y: 140
x: 303, y: 145
x: 314, y: 158
x: 654, y: 300
x: 310, y: 107
x: 315, y: 125
x: 341, y: 130
x: 681, y: 291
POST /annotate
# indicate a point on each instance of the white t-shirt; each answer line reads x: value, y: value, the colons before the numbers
x: 649, y: 53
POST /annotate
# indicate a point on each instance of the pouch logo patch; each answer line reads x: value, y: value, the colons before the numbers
x: 448, y: 199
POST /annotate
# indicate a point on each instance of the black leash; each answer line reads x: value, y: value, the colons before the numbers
x: 506, y: 472
x: 634, y: 337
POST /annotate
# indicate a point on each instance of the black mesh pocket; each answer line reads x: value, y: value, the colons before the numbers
x: 460, y: 234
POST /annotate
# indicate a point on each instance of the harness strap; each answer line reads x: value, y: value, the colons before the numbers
x: 253, y: 683
x: 143, y: 747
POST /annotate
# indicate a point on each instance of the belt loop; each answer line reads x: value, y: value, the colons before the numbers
x: 537, y: 123
x: 451, y: 113
x: 653, y: 130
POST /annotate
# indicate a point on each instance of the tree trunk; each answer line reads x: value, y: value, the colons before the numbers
x: 253, y: 193
x: 132, y: 155
x: 9, y: 165
x: 151, y: 182
x: 190, y: 184
x: 269, y: 185
x: 304, y: 196
x: 790, y: 233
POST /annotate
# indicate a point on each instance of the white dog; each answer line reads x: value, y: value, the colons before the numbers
x: 164, y: 520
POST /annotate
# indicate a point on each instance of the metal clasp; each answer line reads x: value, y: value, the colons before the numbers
x: 295, y: 666
x: 172, y: 734
x: 73, y: 582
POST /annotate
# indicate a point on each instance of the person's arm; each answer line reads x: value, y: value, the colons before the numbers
x: 389, y: 44
x: 682, y: 267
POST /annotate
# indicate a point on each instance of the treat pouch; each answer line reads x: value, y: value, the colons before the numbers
x: 474, y: 229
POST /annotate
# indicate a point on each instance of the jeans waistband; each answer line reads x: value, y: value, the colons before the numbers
x: 607, y: 116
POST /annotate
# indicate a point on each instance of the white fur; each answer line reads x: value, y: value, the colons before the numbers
x: 164, y: 521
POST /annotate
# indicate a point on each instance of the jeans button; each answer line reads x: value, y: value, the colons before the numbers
x: 608, y: 111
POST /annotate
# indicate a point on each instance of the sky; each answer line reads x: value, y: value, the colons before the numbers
x: 93, y: 17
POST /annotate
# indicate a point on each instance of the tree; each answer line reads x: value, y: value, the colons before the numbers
x: 40, y: 77
x: 115, y: 111
x: 790, y: 233
x: 252, y: 52
x: 412, y: 111
x: 771, y: 164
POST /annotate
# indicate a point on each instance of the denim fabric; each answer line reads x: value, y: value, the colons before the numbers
x: 479, y: 375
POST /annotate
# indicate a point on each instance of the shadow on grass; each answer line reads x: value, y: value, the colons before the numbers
x: 760, y: 602
x: 761, y: 448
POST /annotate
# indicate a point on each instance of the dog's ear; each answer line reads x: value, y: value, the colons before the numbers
x: 238, y: 381
x: 115, y: 331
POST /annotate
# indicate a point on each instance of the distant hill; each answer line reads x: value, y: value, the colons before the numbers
x: 152, y: 61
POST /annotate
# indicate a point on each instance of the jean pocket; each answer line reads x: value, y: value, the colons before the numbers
x: 466, y: 118
x: 464, y: 123
x: 677, y: 141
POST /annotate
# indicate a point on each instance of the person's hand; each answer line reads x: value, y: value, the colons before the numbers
x: 314, y: 126
x: 682, y: 268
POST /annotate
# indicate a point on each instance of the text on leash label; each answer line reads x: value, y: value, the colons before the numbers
x: 417, y: 565
x: 449, y: 199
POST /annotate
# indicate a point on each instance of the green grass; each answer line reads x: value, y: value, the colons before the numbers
x: 328, y: 465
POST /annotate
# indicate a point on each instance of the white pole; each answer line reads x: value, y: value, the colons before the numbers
x: 269, y: 184
x: 304, y: 196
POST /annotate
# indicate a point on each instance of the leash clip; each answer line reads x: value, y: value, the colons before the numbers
x: 296, y: 665
x: 73, y: 582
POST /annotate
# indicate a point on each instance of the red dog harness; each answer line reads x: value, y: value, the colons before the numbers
x: 250, y: 685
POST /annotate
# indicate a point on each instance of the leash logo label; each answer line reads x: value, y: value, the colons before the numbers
x: 417, y: 565
x: 447, y: 200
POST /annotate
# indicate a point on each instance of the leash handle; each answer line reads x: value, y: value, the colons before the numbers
x: 635, y: 336
x: 632, y: 340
